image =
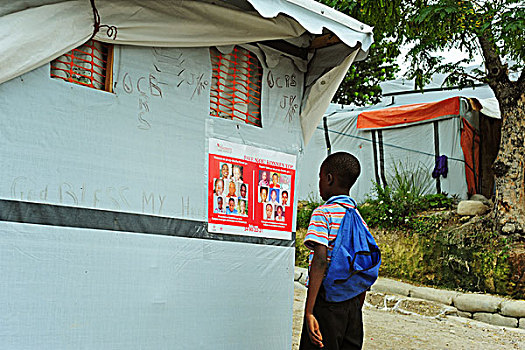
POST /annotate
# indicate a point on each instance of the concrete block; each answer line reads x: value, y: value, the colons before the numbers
x: 464, y: 314
x: 375, y: 299
x: 299, y: 286
x: 522, y: 323
x: 389, y: 286
x: 477, y: 302
x: 514, y: 308
x: 437, y: 295
x: 496, y: 319
x: 300, y: 274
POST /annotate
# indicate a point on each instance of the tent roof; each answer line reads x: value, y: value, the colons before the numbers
x: 408, y: 114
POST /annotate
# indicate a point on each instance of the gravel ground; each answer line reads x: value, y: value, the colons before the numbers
x: 391, y: 330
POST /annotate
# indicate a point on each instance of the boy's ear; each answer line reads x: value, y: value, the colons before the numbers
x: 329, y: 178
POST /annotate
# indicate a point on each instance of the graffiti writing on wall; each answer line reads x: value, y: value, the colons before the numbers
x: 173, y: 63
x: 288, y: 101
x: 147, y: 87
x: 82, y: 194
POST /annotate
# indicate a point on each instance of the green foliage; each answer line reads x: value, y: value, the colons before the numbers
x: 475, y: 259
x: 494, y: 30
x: 301, y: 252
x: 407, y: 178
x: 399, y: 208
x: 396, y: 205
x: 304, y: 212
x: 361, y: 83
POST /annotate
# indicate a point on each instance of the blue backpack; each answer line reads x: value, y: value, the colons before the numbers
x: 355, y: 261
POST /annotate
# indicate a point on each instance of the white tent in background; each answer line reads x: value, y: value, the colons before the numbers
x: 127, y: 127
x: 408, y: 129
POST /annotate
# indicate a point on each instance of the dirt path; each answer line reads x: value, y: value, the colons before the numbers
x: 391, y: 330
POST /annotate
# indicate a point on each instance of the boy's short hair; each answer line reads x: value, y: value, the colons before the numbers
x: 344, y: 166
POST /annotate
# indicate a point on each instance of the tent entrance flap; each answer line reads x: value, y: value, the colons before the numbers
x: 408, y: 114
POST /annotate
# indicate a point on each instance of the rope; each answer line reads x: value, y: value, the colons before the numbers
x: 111, y: 31
x: 391, y: 145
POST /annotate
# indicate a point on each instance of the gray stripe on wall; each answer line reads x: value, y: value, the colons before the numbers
x: 65, y: 216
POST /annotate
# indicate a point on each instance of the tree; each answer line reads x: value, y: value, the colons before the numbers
x: 493, y: 29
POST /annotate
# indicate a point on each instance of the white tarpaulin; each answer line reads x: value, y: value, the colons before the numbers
x: 33, y: 33
x: 105, y: 196
x: 411, y: 147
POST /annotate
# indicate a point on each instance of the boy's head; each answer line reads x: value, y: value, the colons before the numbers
x: 338, y: 173
x: 237, y: 172
x: 275, y: 178
x: 219, y: 202
x: 243, y: 190
x: 225, y: 171
x: 269, y: 209
x: 264, y: 194
x: 231, y: 189
x: 219, y: 186
x: 284, y: 196
x: 231, y: 204
x: 273, y: 195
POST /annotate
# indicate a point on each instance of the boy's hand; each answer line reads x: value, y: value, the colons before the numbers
x: 313, y: 330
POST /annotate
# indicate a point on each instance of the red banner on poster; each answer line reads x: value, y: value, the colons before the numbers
x: 251, y: 190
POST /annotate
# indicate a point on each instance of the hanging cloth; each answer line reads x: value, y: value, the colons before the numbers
x: 441, y: 167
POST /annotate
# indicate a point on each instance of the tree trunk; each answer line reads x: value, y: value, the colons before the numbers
x: 509, y: 169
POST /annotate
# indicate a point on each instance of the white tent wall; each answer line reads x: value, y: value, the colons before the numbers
x: 413, y: 146
x: 67, y: 288
x: 104, y: 239
x: 75, y: 153
x: 46, y: 30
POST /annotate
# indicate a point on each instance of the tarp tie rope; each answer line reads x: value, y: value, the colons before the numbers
x: 111, y: 31
x: 391, y: 145
x: 236, y: 86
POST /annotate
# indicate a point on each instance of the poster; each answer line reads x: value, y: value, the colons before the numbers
x: 251, y: 190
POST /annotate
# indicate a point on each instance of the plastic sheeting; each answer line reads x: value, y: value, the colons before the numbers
x: 70, y: 288
x: 103, y: 210
x: 408, y: 115
x: 46, y: 30
x: 379, y: 151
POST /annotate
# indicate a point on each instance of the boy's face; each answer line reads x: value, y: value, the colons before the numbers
x: 324, y: 186
x: 264, y: 195
x: 225, y: 171
x: 219, y: 202
x: 275, y: 178
x: 243, y: 207
x: 268, y: 211
x: 243, y: 191
x: 219, y: 188
x: 279, y: 211
x: 274, y: 195
x: 285, y: 198
x: 231, y: 204
x: 231, y: 189
x: 237, y: 173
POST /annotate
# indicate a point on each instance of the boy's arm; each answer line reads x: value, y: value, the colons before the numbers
x: 316, y: 275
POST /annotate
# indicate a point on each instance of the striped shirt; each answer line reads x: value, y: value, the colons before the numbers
x: 324, y: 224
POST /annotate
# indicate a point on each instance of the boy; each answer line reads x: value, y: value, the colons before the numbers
x: 335, y: 326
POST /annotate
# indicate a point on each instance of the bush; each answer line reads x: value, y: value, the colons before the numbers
x: 396, y: 208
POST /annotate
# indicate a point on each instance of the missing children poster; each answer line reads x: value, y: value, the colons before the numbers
x: 250, y: 190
